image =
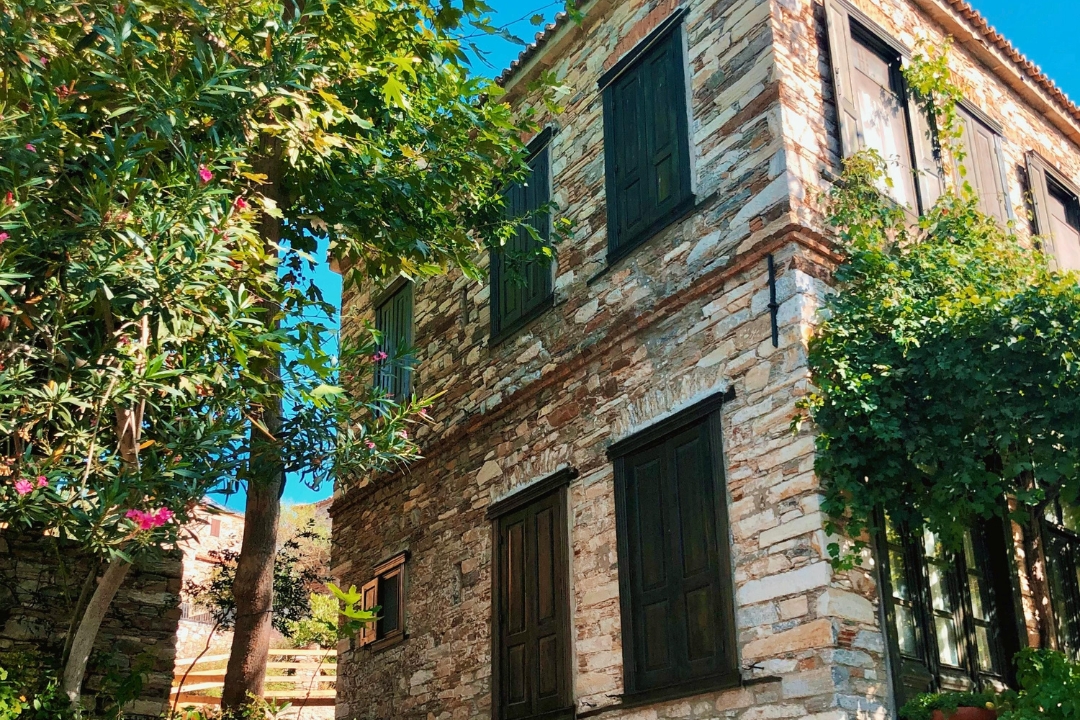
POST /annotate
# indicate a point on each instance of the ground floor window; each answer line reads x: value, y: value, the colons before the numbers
x: 949, y: 612
x: 1062, y: 533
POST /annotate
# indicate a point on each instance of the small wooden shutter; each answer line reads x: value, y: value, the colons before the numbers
x: 1040, y: 200
x: 928, y: 168
x: 838, y: 20
x: 533, y: 623
x: 370, y: 595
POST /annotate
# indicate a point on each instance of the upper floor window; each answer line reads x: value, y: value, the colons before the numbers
x: 874, y: 108
x: 520, y: 272
x: 674, y: 560
x: 393, y: 320
x: 1062, y: 531
x: 985, y: 164
x: 646, y: 139
x: 949, y: 626
x: 531, y: 611
x: 1057, y: 212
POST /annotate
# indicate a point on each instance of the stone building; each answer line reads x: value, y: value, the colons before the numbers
x: 213, y: 530
x: 40, y: 580
x: 613, y: 518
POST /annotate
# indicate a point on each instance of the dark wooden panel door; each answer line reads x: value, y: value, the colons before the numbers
x: 533, y: 607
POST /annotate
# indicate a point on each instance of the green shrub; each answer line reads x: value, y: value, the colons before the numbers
x: 923, y: 706
x: 1049, y: 687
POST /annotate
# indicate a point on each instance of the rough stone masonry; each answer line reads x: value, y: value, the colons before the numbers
x: 682, y: 317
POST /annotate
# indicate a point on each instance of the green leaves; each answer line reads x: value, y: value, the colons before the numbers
x: 945, y: 363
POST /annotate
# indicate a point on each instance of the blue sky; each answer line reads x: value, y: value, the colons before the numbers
x: 1044, y: 30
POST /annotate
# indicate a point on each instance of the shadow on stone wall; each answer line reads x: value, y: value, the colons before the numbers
x: 40, y: 581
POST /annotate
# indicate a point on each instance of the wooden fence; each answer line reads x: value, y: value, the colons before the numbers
x: 292, y: 676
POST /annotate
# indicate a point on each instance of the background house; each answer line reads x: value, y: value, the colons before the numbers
x: 613, y: 518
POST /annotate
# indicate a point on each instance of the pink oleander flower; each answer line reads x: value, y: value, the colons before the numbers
x: 42, y: 481
x: 379, y: 356
x: 205, y: 175
x: 370, y: 445
x: 423, y: 412
x: 31, y: 148
x: 23, y: 486
x: 404, y: 435
x: 9, y: 199
x: 149, y: 521
x: 163, y: 515
x: 3, y: 236
x: 240, y: 203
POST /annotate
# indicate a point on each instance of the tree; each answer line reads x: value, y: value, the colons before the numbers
x: 946, y: 362
x: 167, y: 168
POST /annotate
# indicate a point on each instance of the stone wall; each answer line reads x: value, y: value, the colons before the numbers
x: 683, y: 316
x: 40, y: 580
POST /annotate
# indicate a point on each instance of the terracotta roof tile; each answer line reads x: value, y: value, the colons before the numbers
x: 964, y: 8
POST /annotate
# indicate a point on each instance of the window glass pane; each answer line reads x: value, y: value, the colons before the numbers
x: 905, y: 631
x: 939, y: 589
x: 975, y: 586
x: 946, y: 639
x: 898, y: 575
x: 982, y: 639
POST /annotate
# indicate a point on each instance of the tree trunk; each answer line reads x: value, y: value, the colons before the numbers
x: 88, y: 627
x: 253, y: 587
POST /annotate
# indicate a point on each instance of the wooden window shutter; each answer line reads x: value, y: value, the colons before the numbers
x: 370, y: 595
x: 532, y: 620
x: 929, y: 172
x: 1040, y: 200
x: 985, y: 166
x: 838, y: 20
x: 520, y: 274
x: 629, y: 197
x: 646, y: 139
x: 677, y: 606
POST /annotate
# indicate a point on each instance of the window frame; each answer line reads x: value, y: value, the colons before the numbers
x: 925, y: 672
x: 670, y: 30
x: 553, y: 487
x: 707, y: 414
x: 1041, y: 176
x: 391, y: 570
x: 844, y: 22
x: 401, y: 370
x: 539, y: 150
x: 1063, y: 583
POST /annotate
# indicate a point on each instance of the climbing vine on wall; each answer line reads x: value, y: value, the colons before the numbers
x: 946, y: 367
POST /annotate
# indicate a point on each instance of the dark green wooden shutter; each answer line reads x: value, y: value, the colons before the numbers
x: 520, y: 274
x: 393, y: 318
x: 680, y: 629
x: 647, y: 147
x: 533, y: 623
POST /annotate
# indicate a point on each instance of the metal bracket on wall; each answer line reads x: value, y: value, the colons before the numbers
x: 774, y: 307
